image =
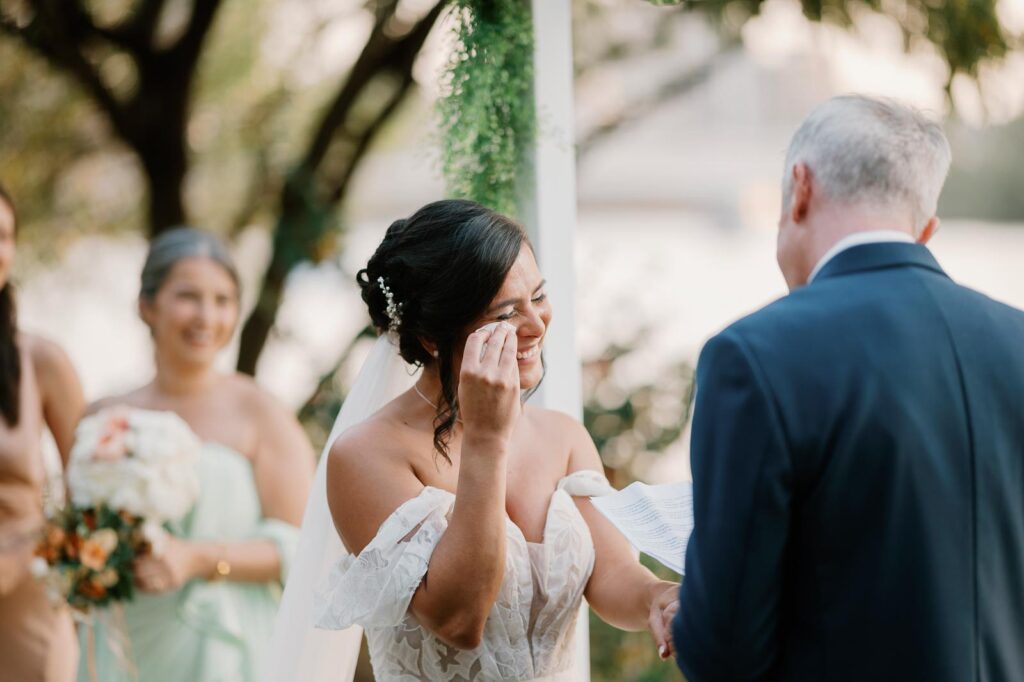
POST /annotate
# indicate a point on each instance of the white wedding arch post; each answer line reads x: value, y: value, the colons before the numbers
x: 549, y: 211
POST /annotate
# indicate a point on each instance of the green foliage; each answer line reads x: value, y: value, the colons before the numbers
x: 965, y: 32
x: 46, y: 126
x: 632, y: 425
x: 486, y: 111
x: 82, y: 570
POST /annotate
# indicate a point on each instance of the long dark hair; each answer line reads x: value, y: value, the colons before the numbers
x: 10, y: 360
x: 443, y: 266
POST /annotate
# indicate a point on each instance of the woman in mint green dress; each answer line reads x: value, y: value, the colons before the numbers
x: 206, y: 600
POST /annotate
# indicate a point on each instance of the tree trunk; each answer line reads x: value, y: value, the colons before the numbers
x: 165, y: 167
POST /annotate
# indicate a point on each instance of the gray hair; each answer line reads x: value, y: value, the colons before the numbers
x: 863, y: 149
x: 176, y: 245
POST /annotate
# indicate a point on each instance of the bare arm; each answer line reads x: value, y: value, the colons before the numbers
x: 60, y: 391
x: 622, y: 591
x: 284, y: 462
x: 283, y: 471
x: 467, y: 566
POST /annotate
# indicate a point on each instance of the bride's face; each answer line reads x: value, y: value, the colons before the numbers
x: 523, y: 303
x: 194, y: 312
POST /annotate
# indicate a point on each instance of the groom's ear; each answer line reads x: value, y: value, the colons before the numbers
x: 930, y: 228
x: 802, y: 190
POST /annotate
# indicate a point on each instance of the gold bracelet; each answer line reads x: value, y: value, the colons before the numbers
x: 221, y: 569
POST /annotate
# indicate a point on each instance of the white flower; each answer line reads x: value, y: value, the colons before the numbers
x: 154, y: 479
x: 156, y: 536
x: 39, y: 568
x: 105, y: 538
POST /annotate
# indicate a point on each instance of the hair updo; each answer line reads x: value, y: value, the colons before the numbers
x: 176, y: 245
x: 441, y: 267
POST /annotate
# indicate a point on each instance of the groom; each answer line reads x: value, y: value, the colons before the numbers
x: 858, y: 446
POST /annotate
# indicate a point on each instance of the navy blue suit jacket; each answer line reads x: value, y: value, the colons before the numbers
x: 858, y: 469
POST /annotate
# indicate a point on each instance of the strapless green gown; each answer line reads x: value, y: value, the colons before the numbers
x: 206, y: 631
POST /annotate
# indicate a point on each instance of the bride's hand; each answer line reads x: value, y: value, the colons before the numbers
x: 489, y: 382
x: 664, y: 605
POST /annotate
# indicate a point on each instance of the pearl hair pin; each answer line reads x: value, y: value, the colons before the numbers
x: 393, y: 309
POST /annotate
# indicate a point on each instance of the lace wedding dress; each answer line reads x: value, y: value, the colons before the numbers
x: 529, y: 633
x: 331, y: 596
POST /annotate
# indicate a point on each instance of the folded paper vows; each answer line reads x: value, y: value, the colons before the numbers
x: 656, y: 519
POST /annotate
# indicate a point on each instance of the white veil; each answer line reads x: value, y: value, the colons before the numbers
x: 298, y: 650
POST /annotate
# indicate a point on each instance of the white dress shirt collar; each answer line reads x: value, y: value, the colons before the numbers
x: 857, y: 239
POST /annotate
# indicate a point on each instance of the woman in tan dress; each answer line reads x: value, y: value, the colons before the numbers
x: 37, y: 387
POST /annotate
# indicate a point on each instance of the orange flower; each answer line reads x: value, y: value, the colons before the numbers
x: 73, y: 546
x: 55, y: 536
x: 93, y: 555
x: 47, y: 552
x: 111, y: 445
x: 108, y: 577
x: 90, y: 589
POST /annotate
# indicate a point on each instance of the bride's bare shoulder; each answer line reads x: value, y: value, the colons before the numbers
x: 381, y: 443
x: 369, y: 475
x: 554, y: 424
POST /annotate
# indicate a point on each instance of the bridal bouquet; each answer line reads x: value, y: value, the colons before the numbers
x: 130, y: 472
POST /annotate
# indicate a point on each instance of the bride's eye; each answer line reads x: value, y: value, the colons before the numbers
x: 540, y: 297
x: 507, y: 316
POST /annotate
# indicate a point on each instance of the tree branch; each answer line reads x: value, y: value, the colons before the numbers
x: 644, y: 106
x: 405, y: 57
x: 305, y: 206
x: 190, y: 44
x: 382, y: 50
x: 135, y: 32
x: 61, y: 43
x: 325, y: 387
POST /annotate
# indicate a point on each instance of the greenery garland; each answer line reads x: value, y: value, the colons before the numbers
x: 486, y: 109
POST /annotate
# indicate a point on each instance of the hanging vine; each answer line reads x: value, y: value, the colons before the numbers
x: 486, y: 109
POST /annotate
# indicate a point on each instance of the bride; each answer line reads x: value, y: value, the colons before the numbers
x: 469, y: 538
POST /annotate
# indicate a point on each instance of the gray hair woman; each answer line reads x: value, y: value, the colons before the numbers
x: 209, y: 596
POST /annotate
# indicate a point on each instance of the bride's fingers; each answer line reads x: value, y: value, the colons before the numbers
x: 475, y: 344
x: 660, y: 634
x: 507, y: 361
x: 495, y: 345
x: 668, y: 615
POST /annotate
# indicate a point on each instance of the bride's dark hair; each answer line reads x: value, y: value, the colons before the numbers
x: 10, y: 360
x: 443, y: 265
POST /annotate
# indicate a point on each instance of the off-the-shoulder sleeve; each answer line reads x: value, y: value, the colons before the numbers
x: 374, y: 589
x: 285, y: 537
x: 586, y: 483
